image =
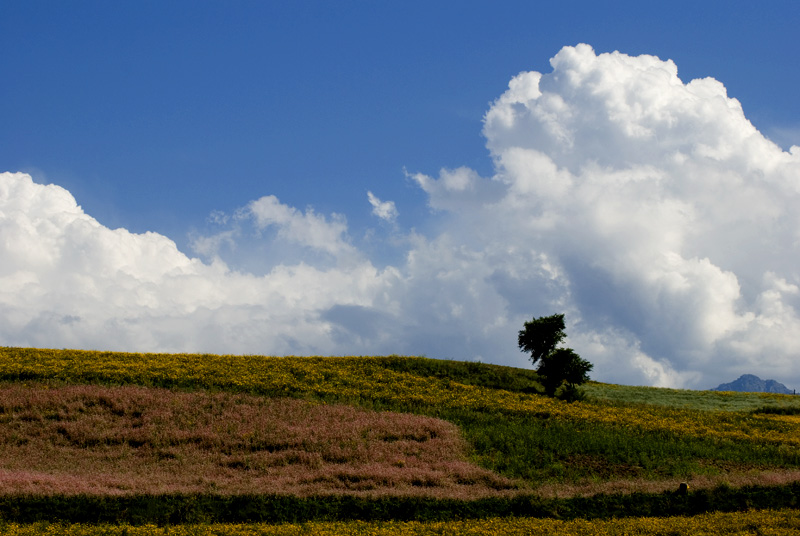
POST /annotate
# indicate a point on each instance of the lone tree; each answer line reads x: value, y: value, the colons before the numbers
x: 559, y: 368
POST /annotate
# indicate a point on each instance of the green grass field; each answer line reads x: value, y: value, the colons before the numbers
x: 510, y: 444
x: 688, y: 399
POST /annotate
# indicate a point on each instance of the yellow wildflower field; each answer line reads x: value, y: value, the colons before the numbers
x: 364, y: 379
x: 368, y: 381
x: 763, y: 522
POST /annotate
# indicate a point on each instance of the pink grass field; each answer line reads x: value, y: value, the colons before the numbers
x: 125, y: 440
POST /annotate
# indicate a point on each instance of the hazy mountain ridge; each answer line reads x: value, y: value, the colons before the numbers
x: 751, y: 383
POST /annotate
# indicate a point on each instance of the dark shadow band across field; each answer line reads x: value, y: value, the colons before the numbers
x: 172, y: 509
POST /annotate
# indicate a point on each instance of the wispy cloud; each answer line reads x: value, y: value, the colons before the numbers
x: 385, y: 210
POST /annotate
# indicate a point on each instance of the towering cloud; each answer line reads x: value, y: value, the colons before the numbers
x: 649, y: 210
x: 671, y: 220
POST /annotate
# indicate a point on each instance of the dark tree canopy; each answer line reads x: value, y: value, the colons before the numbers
x: 559, y: 368
x: 563, y: 365
x: 541, y: 336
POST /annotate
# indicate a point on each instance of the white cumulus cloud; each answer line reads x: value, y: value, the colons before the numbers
x: 646, y: 208
x: 67, y: 281
x: 308, y: 229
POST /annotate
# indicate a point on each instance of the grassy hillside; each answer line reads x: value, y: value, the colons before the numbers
x: 688, y: 399
x: 126, y: 424
x: 619, y: 433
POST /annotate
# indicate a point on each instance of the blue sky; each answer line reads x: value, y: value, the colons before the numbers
x: 175, y: 117
x: 153, y: 114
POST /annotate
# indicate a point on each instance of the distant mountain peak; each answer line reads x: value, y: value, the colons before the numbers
x: 750, y: 383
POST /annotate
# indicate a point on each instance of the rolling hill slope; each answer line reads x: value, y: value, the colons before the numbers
x: 392, y: 429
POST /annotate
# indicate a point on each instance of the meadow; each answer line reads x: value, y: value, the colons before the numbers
x: 75, y: 425
x: 758, y: 522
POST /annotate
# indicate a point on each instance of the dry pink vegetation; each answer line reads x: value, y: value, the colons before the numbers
x: 122, y: 440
